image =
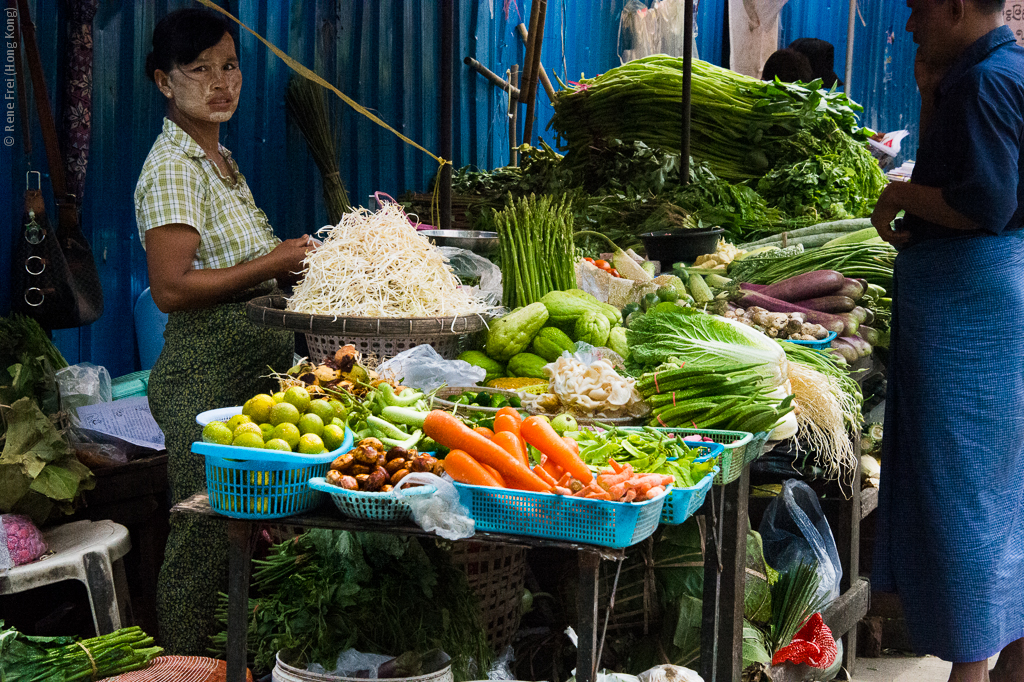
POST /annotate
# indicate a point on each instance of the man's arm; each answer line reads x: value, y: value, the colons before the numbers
x: 924, y: 202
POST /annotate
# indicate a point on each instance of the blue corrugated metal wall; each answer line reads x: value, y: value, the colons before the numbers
x: 382, y: 53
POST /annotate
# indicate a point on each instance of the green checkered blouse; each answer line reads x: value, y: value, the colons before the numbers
x: 180, y: 185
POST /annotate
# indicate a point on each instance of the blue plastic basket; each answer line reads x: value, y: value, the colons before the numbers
x: 252, y: 483
x: 561, y: 517
x: 816, y: 345
x: 386, y: 507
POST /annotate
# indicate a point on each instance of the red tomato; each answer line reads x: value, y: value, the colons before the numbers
x: 615, y: 273
x: 589, y: 260
x: 603, y: 264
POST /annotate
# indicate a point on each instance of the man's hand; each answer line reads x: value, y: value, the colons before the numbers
x: 886, y: 209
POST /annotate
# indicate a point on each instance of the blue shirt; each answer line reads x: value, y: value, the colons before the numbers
x: 974, y: 146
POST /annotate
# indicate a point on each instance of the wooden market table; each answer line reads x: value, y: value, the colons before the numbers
x: 241, y: 541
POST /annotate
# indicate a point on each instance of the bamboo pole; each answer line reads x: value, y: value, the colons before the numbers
x: 513, y: 117
x: 544, y: 80
x: 537, y: 35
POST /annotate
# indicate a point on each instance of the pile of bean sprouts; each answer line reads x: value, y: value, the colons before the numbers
x: 374, y: 264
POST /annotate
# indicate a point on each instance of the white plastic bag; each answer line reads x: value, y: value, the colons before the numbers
x: 423, y: 367
x: 476, y: 272
x: 83, y: 384
x: 794, y: 530
x: 442, y: 512
x: 669, y: 673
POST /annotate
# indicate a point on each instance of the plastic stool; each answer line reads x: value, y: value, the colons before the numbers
x: 89, y: 551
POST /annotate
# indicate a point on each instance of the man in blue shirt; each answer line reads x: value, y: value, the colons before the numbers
x: 951, y: 500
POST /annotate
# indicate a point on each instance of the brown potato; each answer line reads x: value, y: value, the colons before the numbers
x: 397, y: 452
x: 342, y: 481
x: 371, y: 443
x: 357, y: 469
x: 378, y: 478
x: 398, y: 476
x: 342, y: 462
x: 386, y: 488
x: 362, y: 479
x: 420, y: 463
x: 394, y: 465
x: 365, y: 455
x: 438, y: 468
x: 381, y: 460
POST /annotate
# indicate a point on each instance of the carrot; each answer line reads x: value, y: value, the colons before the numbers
x: 565, y: 479
x: 563, y: 491
x: 497, y: 476
x: 573, y: 445
x: 538, y: 432
x: 543, y: 475
x: 484, y: 431
x: 513, y: 445
x: 504, y: 422
x: 553, y: 469
x: 447, y: 430
x: 513, y: 413
x: 465, y: 469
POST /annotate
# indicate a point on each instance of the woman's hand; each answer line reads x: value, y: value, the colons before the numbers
x: 888, y: 207
x: 287, y: 258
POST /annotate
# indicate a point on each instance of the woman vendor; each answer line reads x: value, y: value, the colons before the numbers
x: 950, y: 535
x: 209, y: 249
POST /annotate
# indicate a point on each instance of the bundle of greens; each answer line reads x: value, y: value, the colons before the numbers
x: 794, y: 600
x: 536, y: 248
x: 39, y: 473
x: 65, y: 659
x: 28, y: 360
x: 327, y: 591
x: 872, y: 262
x: 742, y: 128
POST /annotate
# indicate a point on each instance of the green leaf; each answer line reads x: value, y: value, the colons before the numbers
x: 56, y: 482
x: 32, y: 440
x: 14, y: 484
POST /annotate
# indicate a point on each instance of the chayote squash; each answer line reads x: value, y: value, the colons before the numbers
x: 550, y: 343
x: 593, y: 328
x: 476, y: 358
x: 512, y: 334
x: 617, y: 342
x: 613, y: 314
x: 565, y: 307
x: 527, y: 365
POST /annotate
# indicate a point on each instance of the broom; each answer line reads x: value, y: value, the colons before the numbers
x: 307, y: 106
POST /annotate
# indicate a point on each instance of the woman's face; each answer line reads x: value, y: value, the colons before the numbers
x: 207, y: 89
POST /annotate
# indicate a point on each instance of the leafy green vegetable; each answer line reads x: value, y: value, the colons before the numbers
x: 647, y: 451
x: 703, y: 341
x: 63, y: 659
x: 28, y: 360
x: 326, y: 591
x: 39, y: 474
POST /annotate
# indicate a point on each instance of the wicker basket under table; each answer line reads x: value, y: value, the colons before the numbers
x: 382, y: 337
x: 496, y: 574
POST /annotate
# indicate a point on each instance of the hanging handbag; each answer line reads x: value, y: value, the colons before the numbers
x: 54, y: 278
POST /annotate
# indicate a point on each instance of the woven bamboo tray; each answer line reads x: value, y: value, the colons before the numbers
x: 382, y: 337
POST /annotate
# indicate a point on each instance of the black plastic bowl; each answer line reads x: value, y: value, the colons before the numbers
x: 680, y: 245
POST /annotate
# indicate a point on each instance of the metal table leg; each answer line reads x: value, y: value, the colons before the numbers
x: 241, y: 541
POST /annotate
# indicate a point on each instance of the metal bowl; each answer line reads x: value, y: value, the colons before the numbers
x: 483, y: 243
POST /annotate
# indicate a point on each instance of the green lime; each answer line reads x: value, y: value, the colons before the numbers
x: 248, y: 427
x: 310, y: 423
x: 297, y: 396
x: 333, y: 436
x: 238, y: 419
x: 287, y: 432
x: 322, y: 409
x: 268, y: 430
x: 248, y: 439
x: 284, y: 412
x: 278, y: 397
x: 217, y: 432
x: 278, y: 444
x: 339, y: 408
x: 311, y: 444
x: 258, y: 407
